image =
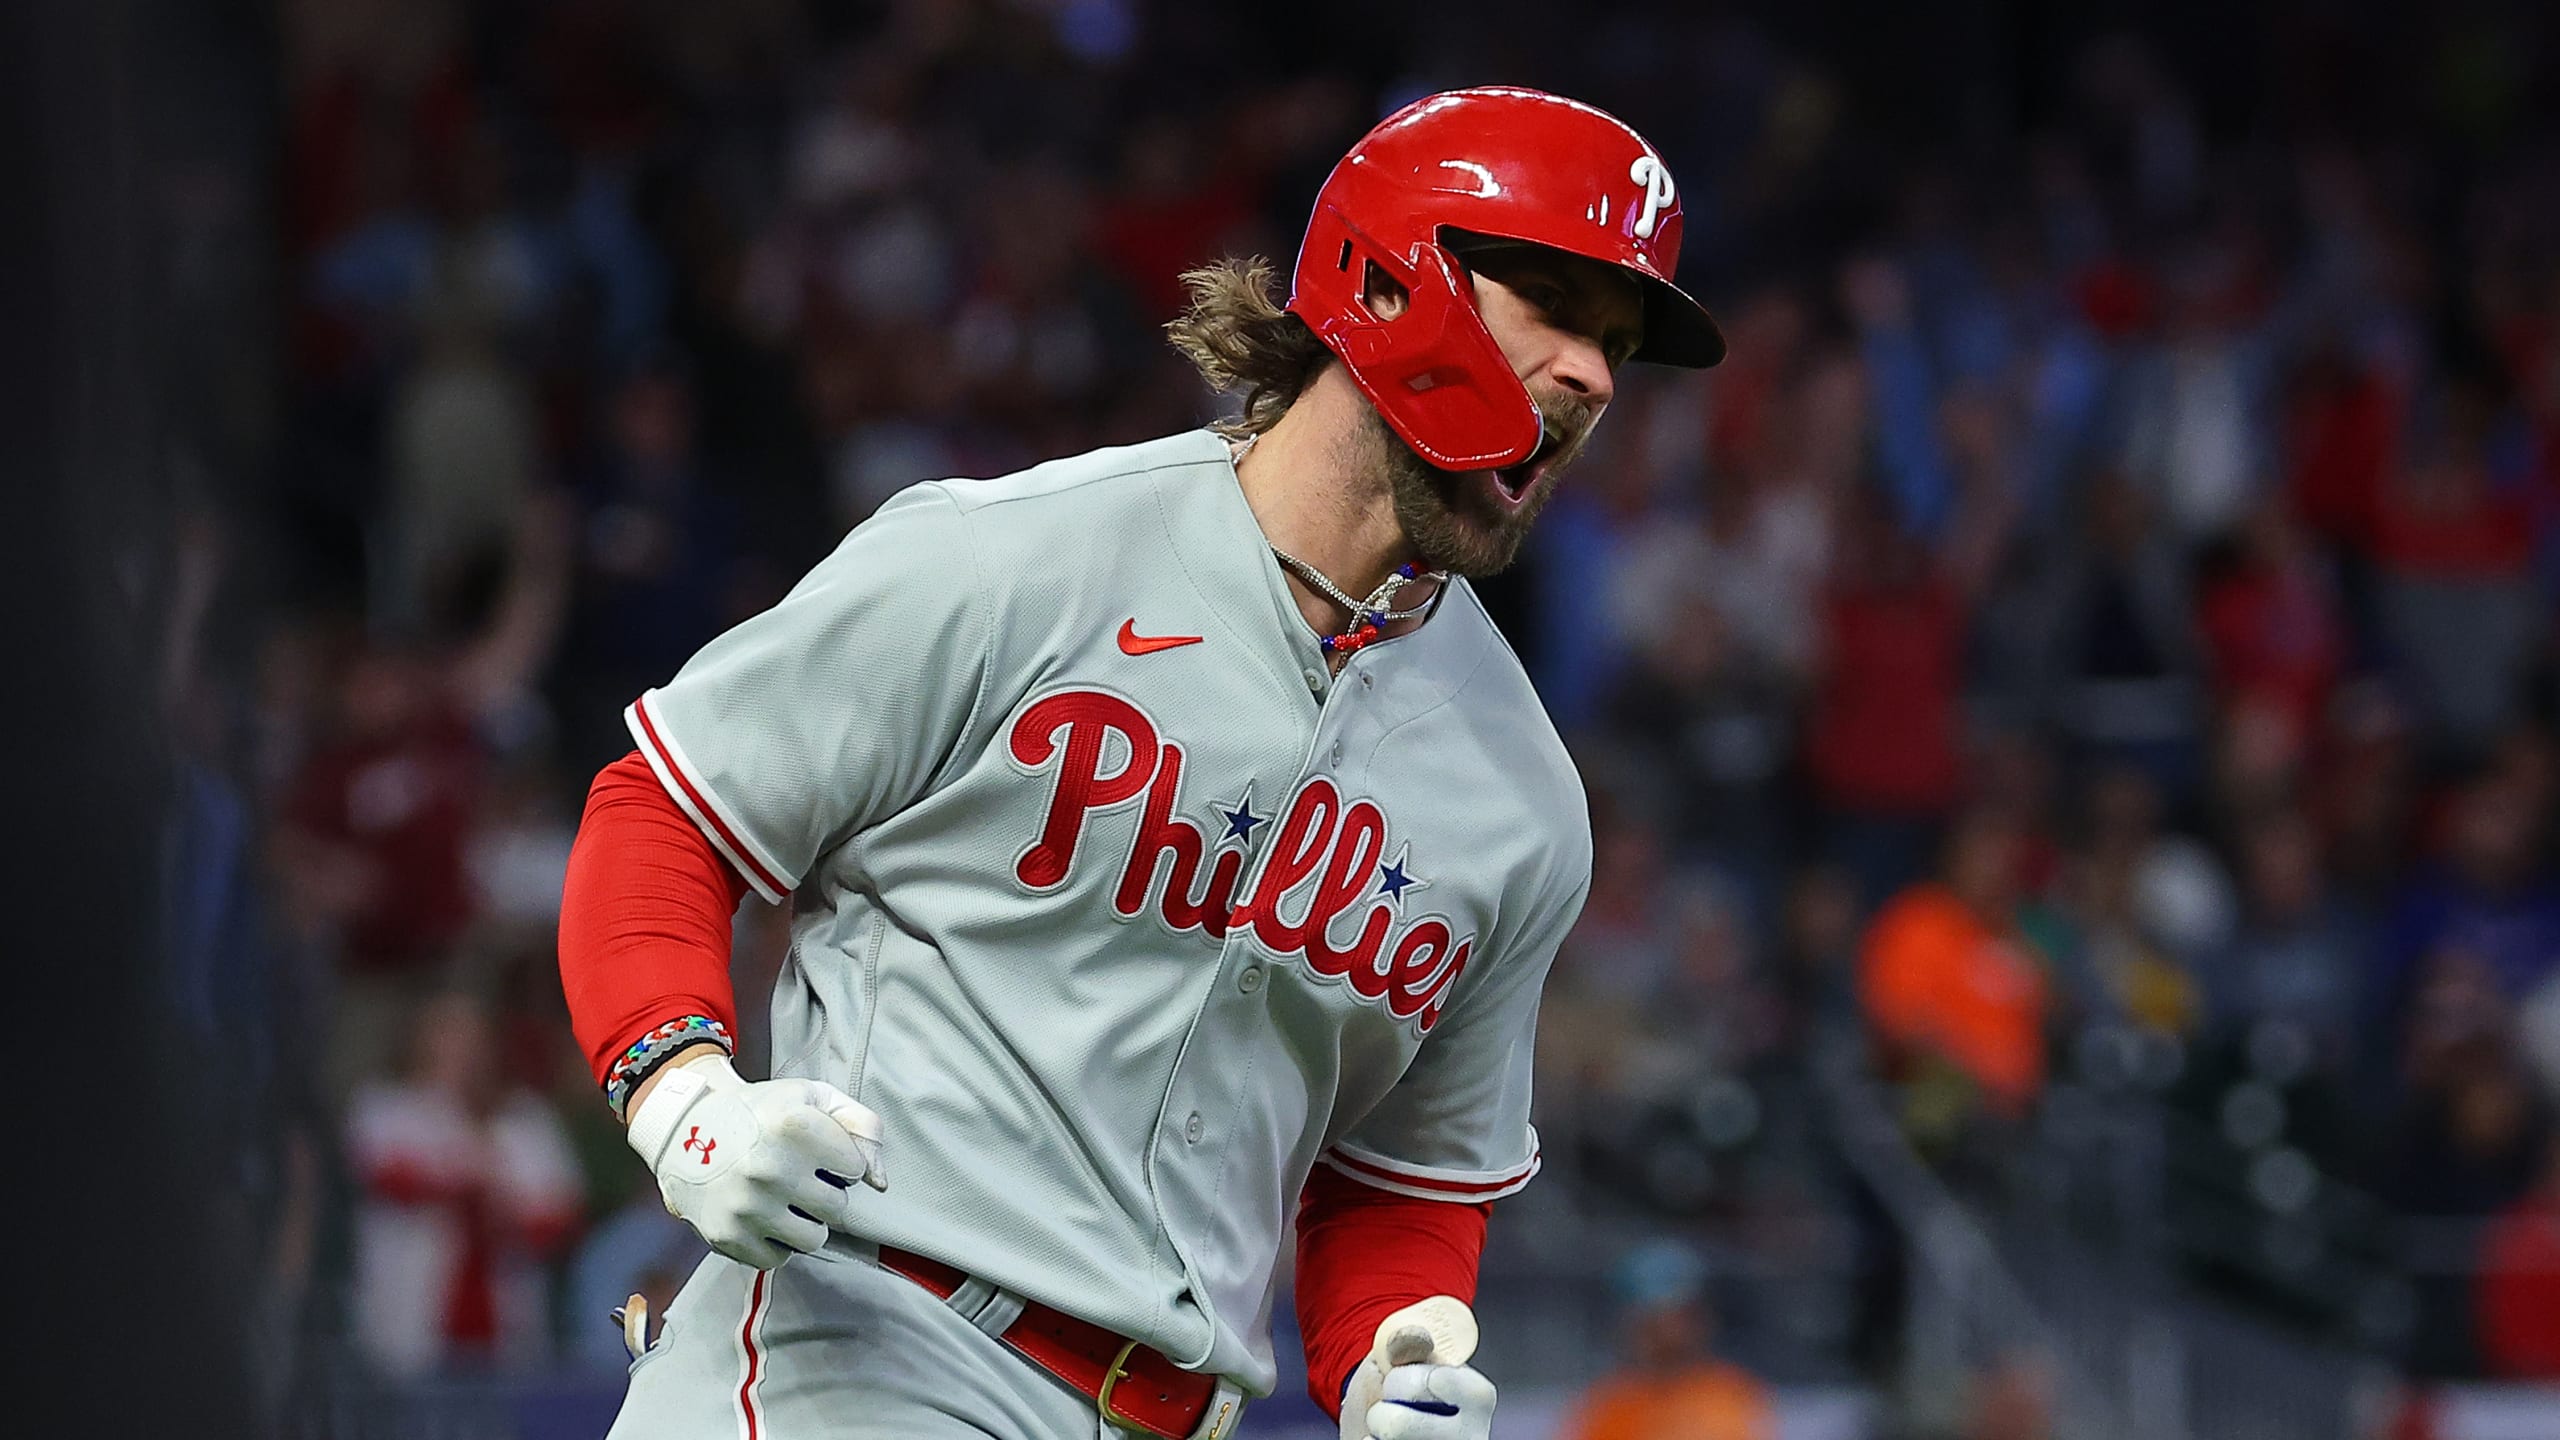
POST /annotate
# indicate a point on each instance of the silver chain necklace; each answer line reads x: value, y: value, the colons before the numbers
x: 1375, y: 607
x: 1366, y: 615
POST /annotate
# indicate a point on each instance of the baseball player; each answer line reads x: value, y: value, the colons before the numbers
x: 1171, y: 841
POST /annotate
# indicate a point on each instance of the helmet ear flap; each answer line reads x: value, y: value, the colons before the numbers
x: 1433, y: 372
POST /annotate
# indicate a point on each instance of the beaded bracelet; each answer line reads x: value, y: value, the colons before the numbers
x: 652, y: 1050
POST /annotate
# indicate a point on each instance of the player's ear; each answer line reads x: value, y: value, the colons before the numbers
x: 1382, y: 293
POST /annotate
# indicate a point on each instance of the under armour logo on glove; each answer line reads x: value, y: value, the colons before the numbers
x: 788, y: 1153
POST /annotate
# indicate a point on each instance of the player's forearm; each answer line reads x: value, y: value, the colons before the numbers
x: 1364, y: 1253
x: 644, y: 918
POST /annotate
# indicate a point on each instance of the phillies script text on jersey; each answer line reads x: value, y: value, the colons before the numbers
x: 1337, y: 843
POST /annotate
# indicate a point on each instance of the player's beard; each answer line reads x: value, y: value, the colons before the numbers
x: 1450, y: 517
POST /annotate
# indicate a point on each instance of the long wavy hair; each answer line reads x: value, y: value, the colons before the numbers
x: 1235, y: 334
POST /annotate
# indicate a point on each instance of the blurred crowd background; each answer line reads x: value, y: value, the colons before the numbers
x: 2069, y: 706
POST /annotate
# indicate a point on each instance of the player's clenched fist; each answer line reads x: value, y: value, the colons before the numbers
x: 1416, y: 1383
x: 760, y: 1170
x: 1433, y: 1402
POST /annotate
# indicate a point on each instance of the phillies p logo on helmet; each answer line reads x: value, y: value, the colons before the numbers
x: 1655, y: 177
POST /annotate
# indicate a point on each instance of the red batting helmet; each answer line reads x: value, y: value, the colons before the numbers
x: 1508, y: 164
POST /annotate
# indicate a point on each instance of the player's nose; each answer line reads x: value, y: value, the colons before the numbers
x: 1581, y: 367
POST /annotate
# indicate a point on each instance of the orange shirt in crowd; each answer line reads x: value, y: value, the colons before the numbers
x: 1936, y: 978
x: 1708, y: 1401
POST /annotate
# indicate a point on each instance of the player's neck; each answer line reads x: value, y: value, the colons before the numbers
x: 1308, y: 487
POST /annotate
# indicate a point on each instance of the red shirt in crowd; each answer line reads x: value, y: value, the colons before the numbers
x: 400, y: 806
x: 2341, y: 435
x: 2454, y: 527
x: 2273, y: 640
x: 1883, y: 729
x: 2517, y: 1306
x: 1149, y: 240
x: 460, y: 1209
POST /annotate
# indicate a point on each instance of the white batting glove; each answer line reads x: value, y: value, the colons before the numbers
x: 1434, y: 1402
x: 760, y: 1170
x: 1416, y: 1383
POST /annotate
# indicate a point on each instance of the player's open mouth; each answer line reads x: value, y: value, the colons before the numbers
x: 1516, y: 481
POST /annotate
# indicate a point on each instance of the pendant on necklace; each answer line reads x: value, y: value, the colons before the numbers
x: 1368, y: 617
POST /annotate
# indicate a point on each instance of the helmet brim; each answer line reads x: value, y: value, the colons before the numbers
x: 1677, y: 329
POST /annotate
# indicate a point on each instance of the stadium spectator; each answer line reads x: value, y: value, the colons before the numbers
x: 2298, y: 958
x: 2518, y: 1307
x: 660, y: 558
x: 1656, y: 981
x: 374, y: 841
x: 2119, y: 643
x: 1817, y: 970
x: 2011, y: 1399
x: 1173, y: 206
x: 2363, y: 794
x: 1882, y: 740
x: 378, y: 817
x: 1585, y: 538
x: 2341, y: 425
x: 1713, y: 721
x: 1952, y: 989
x: 463, y: 438
x: 2490, y: 897
x: 2470, y: 1140
x: 2193, y: 442
x: 1673, y: 1384
x: 469, y: 1190
x: 2453, y: 540
x: 2275, y: 641
x: 1768, y: 331
x: 2142, y: 908
x: 1754, y: 556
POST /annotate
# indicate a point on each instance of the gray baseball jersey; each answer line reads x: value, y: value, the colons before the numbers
x: 1120, y: 910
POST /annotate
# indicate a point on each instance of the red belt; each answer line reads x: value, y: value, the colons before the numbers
x: 1129, y: 1383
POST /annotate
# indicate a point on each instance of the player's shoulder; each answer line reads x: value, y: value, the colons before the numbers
x: 1097, y: 483
x: 1498, y: 700
x: 1047, y: 536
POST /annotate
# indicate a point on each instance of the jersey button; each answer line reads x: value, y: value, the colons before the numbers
x: 1193, y: 1129
x: 1315, y: 682
x: 1337, y: 752
x: 1249, y: 979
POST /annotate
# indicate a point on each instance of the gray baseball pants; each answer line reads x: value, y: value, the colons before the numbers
x: 832, y: 1347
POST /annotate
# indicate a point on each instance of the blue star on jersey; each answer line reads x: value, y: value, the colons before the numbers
x: 1394, y: 879
x: 1241, y: 820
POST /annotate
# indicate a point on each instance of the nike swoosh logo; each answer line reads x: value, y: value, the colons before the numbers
x: 1133, y: 643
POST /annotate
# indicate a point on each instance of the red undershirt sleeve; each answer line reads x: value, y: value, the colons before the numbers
x: 1364, y: 1253
x: 644, y: 917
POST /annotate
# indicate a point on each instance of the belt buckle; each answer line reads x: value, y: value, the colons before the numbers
x: 1112, y: 1375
